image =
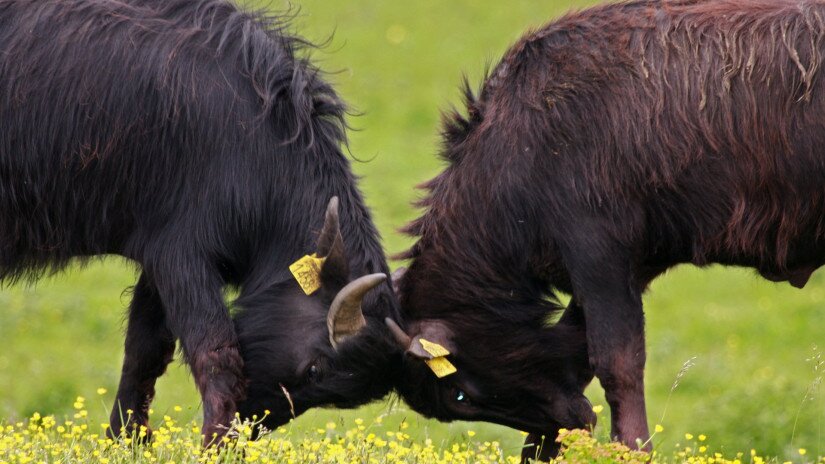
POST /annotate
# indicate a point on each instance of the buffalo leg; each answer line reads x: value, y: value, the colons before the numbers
x: 541, y: 448
x: 573, y: 315
x: 199, y: 318
x: 149, y: 349
x: 605, y: 286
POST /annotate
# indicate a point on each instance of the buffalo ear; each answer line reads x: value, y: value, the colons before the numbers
x: 335, y: 271
x: 345, y: 317
x: 433, y: 331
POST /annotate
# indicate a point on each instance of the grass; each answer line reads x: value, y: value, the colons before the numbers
x: 44, y: 439
x: 398, y: 64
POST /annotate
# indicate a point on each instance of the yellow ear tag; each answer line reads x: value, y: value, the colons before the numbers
x: 441, y: 367
x: 434, y: 349
x: 307, y: 272
x: 439, y: 364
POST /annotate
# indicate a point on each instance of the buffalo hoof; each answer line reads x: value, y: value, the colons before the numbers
x: 131, y: 430
x: 539, y: 448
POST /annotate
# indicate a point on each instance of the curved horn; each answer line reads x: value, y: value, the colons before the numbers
x: 335, y: 271
x: 331, y: 232
x: 401, y: 337
x: 396, y: 280
x: 345, y: 317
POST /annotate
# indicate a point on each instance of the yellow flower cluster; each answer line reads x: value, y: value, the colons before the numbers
x: 579, y: 447
x: 45, y: 440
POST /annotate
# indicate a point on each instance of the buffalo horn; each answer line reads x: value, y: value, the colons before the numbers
x: 400, y: 336
x: 345, y: 317
x: 396, y: 279
x: 331, y: 232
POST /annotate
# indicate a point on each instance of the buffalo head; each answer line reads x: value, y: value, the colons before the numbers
x: 302, y: 351
x: 503, y: 370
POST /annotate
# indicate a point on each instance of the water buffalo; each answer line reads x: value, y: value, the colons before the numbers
x: 603, y: 149
x: 190, y: 137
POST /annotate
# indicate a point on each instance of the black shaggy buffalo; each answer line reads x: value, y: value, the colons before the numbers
x: 191, y: 138
x: 603, y: 149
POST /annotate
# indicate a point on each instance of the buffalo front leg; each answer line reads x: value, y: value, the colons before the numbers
x: 199, y: 318
x: 542, y: 448
x: 149, y: 349
x: 604, y: 285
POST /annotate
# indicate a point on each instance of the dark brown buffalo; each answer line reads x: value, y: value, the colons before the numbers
x: 602, y: 150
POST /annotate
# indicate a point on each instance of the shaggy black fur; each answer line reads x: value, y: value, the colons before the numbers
x: 190, y: 137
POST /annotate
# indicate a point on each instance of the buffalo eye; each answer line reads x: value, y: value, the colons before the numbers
x: 460, y: 396
x: 312, y: 373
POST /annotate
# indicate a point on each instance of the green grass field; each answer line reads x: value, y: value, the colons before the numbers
x: 399, y: 64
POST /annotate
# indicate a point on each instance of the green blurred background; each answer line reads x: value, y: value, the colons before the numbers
x: 399, y: 63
